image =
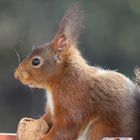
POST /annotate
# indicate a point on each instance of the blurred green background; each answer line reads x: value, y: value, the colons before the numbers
x: 111, y: 39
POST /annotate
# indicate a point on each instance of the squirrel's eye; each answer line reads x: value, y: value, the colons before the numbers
x: 35, y: 61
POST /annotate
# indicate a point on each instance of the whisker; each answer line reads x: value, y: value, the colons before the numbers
x: 31, y: 90
x: 33, y: 47
x: 26, y: 89
x: 19, y: 60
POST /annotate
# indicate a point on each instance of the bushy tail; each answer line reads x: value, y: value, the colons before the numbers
x: 137, y: 102
x: 137, y: 73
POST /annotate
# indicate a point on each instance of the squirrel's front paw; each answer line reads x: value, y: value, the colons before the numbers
x: 31, y: 129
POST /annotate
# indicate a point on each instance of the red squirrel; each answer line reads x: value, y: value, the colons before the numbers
x: 83, y: 102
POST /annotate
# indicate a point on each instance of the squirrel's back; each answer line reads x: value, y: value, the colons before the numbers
x: 117, y: 101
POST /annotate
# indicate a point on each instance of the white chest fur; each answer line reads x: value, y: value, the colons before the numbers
x: 50, y: 102
x: 85, y: 133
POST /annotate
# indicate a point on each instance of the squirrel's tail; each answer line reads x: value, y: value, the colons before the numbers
x: 137, y: 101
x: 137, y: 74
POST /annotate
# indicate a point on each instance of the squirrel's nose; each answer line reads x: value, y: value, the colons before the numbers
x: 16, y: 75
x: 21, y: 74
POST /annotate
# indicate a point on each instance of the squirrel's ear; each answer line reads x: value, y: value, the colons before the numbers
x: 70, y: 26
x: 60, y: 43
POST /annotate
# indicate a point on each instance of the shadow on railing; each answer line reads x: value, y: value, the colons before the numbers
x: 117, y: 138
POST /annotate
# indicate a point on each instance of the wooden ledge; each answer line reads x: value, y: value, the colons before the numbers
x: 7, y: 136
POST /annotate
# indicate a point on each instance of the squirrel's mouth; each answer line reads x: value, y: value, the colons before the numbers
x: 29, y: 84
x: 34, y: 85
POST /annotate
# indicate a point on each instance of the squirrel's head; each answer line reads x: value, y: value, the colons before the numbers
x: 44, y: 63
x: 48, y: 61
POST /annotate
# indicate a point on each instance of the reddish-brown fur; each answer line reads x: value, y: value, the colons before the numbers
x: 82, y: 94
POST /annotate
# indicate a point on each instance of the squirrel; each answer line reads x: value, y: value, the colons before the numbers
x: 83, y: 102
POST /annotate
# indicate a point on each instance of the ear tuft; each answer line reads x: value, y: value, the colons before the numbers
x: 71, y: 24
